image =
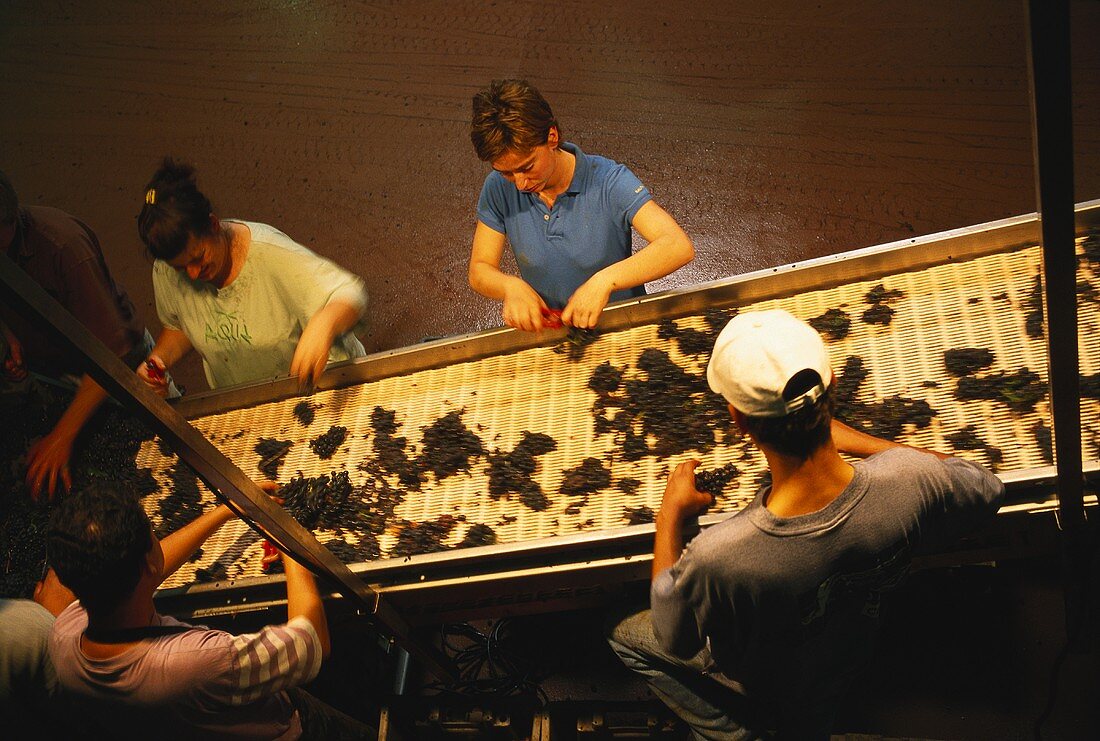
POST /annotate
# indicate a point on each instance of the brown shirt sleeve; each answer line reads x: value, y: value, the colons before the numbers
x: 62, y: 254
x: 88, y: 296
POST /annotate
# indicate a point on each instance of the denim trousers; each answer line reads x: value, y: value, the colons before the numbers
x: 322, y: 722
x: 712, y: 703
x: 713, y: 710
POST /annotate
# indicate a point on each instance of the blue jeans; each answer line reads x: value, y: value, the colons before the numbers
x: 714, y: 711
x: 322, y: 722
x: 712, y: 704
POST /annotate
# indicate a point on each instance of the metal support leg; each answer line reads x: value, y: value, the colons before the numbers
x: 401, y: 671
x: 1049, y: 67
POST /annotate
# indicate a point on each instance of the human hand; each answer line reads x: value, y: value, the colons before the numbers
x: 272, y: 555
x: 52, y: 594
x: 15, y: 368
x: 681, y: 499
x: 48, y: 463
x: 311, y: 354
x: 154, y: 373
x: 523, y: 307
x: 271, y: 488
x: 587, y: 303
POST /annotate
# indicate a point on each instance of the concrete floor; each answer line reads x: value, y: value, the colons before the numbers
x: 774, y: 132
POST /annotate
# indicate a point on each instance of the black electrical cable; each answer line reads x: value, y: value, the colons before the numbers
x: 486, y: 666
x: 1074, y: 631
x: 1052, y: 690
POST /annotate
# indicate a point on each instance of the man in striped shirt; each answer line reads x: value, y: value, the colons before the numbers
x: 139, y: 674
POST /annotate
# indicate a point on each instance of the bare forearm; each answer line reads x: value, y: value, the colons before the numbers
x: 337, y: 317
x: 662, y: 256
x: 681, y: 500
x: 89, y: 395
x: 484, y: 273
x: 304, y: 600
x: 182, y: 544
x: 668, y: 543
x: 172, y: 344
x: 861, y: 445
x: 489, y: 281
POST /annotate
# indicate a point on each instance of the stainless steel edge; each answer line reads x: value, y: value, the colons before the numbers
x: 783, y: 280
x: 565, y: 552
x: 561, y: 551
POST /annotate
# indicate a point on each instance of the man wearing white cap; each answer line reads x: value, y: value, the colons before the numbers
x: 764, y: 619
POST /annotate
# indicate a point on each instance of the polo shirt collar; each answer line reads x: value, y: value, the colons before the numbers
x: 581, y: 169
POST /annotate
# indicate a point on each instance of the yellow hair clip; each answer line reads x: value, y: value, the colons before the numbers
x: 151, y: 196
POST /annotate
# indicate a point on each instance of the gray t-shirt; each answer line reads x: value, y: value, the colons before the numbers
x: 247, y: 331
x: 791, y: 605
x: 27, y: 677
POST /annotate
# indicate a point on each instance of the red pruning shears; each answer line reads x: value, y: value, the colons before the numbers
x: 551, y: 318
x: 155, y: 371
x: 269, y: 551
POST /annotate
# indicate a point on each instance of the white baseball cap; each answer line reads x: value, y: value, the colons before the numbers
x: 757, y: 354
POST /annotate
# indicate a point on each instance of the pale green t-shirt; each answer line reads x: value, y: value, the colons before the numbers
x: 247, y: 331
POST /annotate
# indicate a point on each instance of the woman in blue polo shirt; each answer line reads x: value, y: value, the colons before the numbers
x: 567, y: 216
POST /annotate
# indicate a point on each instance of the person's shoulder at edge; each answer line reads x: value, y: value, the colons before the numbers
x: 618, y: 182
x: 951, y: 473
x: 25, y: 611
x: 915, y: 456
x: 495, y: 189
x: 711, y: 545
x: 58, y: 227
x: 72, y: 620
x: 260, y: 233
x: 268, y: 241
x: 167, y: 277
x: 493, y: 179
x: 600, y: 166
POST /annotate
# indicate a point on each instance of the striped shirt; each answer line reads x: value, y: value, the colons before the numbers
x: 197, y: 682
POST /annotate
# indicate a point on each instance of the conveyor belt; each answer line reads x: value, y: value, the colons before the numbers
x: 979, y: 303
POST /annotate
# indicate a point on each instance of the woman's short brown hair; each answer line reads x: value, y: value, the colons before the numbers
x: 510, y: 115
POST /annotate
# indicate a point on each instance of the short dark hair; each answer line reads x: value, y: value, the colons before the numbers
x: 510, y: 115
x: 804, y: 430
x: 97, y: 542
x: 175, y: 210
x: 9, y: 201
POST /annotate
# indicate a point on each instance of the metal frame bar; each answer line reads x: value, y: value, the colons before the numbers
x: 217, y: 471
x: 876, y: 261
x: 589, y: 575
x: 785, y: 280
x: 1036, y: 485
x: 1052, y: 127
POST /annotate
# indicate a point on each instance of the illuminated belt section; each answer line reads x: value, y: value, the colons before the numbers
x: 566, y: 445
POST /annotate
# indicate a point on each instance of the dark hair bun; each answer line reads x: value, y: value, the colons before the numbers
x: 175, y: 210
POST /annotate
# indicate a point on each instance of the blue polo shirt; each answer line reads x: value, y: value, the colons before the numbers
x: 588, y: 229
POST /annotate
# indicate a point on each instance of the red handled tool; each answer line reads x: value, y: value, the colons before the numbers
x: 269, y: 550
x: 551, y: 318
x: 155, y: 371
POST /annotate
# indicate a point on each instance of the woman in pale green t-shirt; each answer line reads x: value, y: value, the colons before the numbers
x: 254, y: 303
